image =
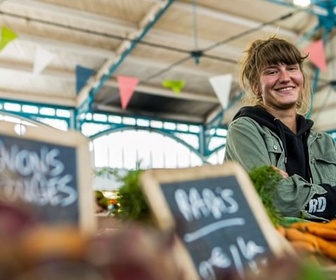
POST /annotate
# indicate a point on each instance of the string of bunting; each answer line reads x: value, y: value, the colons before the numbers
x: 194, y: 54
x: 221, y: 84
x: 42, y: 57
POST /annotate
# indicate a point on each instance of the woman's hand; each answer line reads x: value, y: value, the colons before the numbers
x: 283, y: 173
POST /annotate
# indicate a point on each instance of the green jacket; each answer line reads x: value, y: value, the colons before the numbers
x: 253, y: 145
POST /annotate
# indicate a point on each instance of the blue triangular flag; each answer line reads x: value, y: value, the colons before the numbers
x: 82, y: 75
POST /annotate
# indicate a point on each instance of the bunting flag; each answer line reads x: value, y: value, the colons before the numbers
x: 127, y: 87
x: 7, y: 35
x: 222, y: 87
x: 82, y: 76
x: 42, y: 60
x: 176, y: 86
x: 316, y: 55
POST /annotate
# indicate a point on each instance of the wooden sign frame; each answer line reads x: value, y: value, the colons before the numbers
x: 72, y: 141
x: 152, y: 181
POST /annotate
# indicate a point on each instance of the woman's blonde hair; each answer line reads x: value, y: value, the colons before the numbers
x: 261, y: 53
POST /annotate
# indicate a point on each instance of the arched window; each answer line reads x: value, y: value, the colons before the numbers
x: 129, y: 148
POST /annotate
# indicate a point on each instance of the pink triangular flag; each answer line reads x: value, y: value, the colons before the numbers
x: 317, y: 55
x: 127, y: 87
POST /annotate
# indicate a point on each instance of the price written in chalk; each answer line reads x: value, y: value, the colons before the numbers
x: 239, y: 252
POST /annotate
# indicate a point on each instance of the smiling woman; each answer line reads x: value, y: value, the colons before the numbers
x: 284, y: 94
x: 273, y: 131
x: 279, y: 67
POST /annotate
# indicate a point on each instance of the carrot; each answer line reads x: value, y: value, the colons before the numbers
x: 293, y: 234
x: 303, y: 247
x: 321, y: 246
x: 281, y: 230
x: 327, y: 249
x: 332, y: 242
x: 332, y: 223
x: 303, y: 225
x: 321, y: 230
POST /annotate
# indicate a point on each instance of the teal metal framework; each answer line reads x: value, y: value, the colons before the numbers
x: 207, y: 139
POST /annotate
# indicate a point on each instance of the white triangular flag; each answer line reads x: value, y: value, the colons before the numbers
x: 42, y: 59
x: 222, y: 87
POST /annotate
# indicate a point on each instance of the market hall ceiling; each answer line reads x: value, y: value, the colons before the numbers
x: 157, y: 43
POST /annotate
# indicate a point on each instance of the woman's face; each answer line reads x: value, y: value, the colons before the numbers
x: 281, y: 85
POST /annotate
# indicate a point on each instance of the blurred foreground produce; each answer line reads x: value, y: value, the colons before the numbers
x: 34, y: 251
x: 40, y: 251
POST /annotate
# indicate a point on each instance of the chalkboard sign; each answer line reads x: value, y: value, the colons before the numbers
x: 218, y: 218
x: 48, y: 170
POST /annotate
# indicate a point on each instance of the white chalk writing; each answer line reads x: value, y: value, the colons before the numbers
x: 35, y: 176
x: 238, y: 253
x: 195, y: 205
x: 189, y: 237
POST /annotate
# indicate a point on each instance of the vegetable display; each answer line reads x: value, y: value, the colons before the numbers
x: 313, y: 239
x: 32, y: 250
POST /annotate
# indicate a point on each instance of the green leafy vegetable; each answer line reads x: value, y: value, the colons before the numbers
x: 266, y: 180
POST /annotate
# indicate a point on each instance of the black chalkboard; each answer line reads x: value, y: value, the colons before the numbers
x: 218, y: 217
x: 49, y: 171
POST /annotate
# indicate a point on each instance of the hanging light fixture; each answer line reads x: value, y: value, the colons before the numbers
x: 302, y: 3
